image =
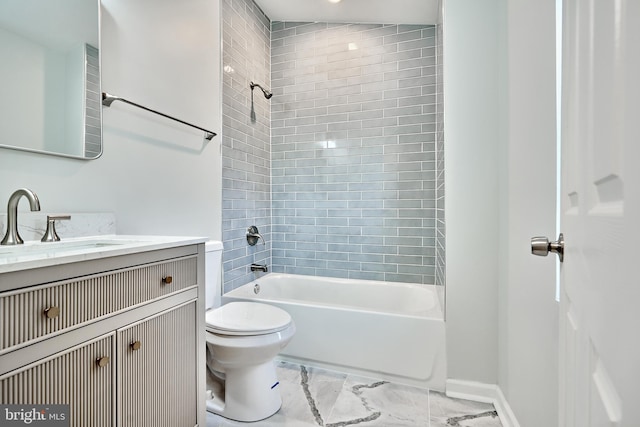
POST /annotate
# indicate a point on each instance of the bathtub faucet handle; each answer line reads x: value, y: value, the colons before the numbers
x: 253, y: 235
x: 259, y: 267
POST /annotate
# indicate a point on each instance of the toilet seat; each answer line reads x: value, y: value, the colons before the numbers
x: 247, y: 318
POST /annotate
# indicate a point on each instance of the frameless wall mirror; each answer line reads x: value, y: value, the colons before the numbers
x: 50, y: 77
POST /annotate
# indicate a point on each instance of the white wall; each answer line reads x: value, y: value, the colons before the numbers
x: 472, y: 85
x: 529, y: 317
x: 156, y: 176
x: 500, y: 191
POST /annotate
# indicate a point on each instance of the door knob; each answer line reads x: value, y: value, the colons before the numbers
x: 541, y: 246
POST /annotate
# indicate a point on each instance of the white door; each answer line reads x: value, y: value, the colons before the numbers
x: 600, y: 297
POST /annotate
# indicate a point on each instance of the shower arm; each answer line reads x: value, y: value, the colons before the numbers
x: 267, y: 94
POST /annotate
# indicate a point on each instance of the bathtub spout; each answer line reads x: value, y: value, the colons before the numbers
x: 259, y: 267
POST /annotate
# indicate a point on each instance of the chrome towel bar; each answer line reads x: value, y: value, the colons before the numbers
x: 107, y: 100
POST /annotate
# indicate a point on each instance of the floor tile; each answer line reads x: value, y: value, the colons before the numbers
x: 319, y: 397
x: 307, y: 393
x: 449, y: 412
x: 380, y: 403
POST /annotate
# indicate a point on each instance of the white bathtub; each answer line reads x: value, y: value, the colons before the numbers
x: 393, y: 331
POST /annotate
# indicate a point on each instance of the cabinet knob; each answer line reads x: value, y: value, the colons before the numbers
x: 135, y: 345
x: 167, y: 280
x: 103, y: 361
x: 51, y: 312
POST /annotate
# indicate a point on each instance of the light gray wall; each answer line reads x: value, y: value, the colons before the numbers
x: 473, y: 118
x: 156, y: 176
x: 500, y: 127
x: 529, y: 316
x: 353, y: 150
x: 245, y: 137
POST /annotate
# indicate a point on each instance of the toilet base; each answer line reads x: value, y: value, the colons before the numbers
x: 248, y: 394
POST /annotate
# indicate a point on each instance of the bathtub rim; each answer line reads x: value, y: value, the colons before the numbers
x: 434, y: 313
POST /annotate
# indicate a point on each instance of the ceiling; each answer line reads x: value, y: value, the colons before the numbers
x: 353, y: 11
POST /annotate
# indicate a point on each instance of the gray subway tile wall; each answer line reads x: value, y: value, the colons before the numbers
x: 246, y: 181
x: 440, y: 193
x: 354, y: 151
x: 342, y: 169
x: 93, y: 106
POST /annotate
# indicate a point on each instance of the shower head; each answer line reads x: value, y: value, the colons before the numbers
x: 267, y: 94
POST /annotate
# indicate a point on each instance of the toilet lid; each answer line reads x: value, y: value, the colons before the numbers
x: 247, y: 318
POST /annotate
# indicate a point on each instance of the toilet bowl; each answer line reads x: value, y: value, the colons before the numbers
x: 243, y: 338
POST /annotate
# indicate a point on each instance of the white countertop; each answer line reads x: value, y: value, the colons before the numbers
x: 35, y: 254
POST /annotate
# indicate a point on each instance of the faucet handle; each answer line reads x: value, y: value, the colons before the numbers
x: 253, y: 235
x: 50, y: 234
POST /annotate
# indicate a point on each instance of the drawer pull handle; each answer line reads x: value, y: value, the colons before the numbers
x: 103, y: 361
x: 135, y: 345
x: 52, y: 312
x: 167, y: 280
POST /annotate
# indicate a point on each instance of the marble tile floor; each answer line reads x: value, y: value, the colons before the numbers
x: 318, y: 397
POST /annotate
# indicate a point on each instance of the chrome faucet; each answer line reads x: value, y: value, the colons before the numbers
x: 12, y: 237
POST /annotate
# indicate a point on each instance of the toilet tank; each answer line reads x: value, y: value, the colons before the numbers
x: 213, y: 273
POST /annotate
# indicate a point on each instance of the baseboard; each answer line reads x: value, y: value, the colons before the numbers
x: 487, y: 393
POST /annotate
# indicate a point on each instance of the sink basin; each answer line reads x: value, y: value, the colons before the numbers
x: 36, y: 254
x: 33, y: 248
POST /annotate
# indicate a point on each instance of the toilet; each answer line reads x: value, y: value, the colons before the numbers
x: 243, y: 338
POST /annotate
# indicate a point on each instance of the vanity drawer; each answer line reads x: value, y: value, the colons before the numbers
x: 32, y: 313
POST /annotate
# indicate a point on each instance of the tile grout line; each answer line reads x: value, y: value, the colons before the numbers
x: 356, y: 390
x: 304, y: 382
x: 455, y: 421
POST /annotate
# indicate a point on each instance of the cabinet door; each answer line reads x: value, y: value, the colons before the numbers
x: 157, y: 372
x: 81, y: 377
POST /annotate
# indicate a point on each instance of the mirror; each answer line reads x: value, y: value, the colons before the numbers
x: 50, y: 77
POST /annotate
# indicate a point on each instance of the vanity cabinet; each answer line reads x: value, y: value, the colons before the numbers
x: 154, y: 372
x: 120, y: 339
x: 81, y: 375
